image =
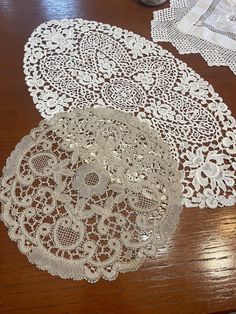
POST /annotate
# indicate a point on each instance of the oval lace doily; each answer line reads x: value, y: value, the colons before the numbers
x: 89, y: 194
x: 76, y: 63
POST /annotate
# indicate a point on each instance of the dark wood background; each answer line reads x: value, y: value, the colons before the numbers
x: 197, y: 274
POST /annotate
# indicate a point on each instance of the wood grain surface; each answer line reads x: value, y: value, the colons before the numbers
x: 196, y: 274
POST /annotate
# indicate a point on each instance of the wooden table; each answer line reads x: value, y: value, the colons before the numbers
x: 197, y: 274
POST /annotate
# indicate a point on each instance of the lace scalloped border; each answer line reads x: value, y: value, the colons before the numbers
x: 163, y: 29
x: 77, y: 271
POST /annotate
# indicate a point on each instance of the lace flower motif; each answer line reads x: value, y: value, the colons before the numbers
x: 90, y: 182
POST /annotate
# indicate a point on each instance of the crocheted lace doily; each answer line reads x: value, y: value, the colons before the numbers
x: 76, y: 63
x: 207, y: 27
x: 90, y: 194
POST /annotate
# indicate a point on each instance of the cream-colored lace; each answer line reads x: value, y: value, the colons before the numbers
x: 91, y: 193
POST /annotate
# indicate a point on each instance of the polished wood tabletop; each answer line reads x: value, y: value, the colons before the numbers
x: 196, y: 274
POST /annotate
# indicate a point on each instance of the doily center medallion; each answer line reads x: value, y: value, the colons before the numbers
x: 75, y: 63
x: 89, y: 194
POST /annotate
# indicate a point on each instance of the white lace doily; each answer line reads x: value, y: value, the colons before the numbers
x: 90, y: 194
x: 76, y: 63
x: 207, y: 27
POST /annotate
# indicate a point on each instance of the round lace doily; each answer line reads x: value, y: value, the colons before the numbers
x: 91, y: 193
x: 164, y: 28
x: 76, y: 63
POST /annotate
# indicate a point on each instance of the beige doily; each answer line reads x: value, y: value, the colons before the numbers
x: 90, y: 193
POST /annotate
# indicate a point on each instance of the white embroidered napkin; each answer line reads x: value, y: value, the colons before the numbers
x: 212, y: 20
x: 207, y: 27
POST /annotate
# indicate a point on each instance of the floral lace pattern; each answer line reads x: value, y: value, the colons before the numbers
x: 76, y: 63
x: 207, y: 27
x: 91, y: 193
